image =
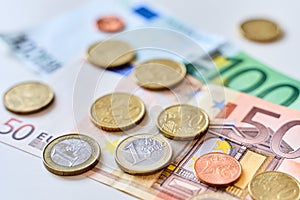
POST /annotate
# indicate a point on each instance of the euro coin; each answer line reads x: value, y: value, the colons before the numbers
x: 110, y: 53
x: 274, y: 185
x: 217, y: 169
x: 143, y: 154
x: 182, y: 122
x: 158, y: 74
x: 28, y: 97
x: 110, y: 24
x: 260, y: 30
x: 71, y: 154
x: 117, y: 111
x: 211, y: 196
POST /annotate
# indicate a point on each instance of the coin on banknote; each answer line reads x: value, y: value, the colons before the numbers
x: 143, y: 154
x: 110, y: 24
x: 217, y: 169
x: 260, y: 30
x: 110, y: 53
x: 71, y: 154
x: 274, y: 185
x: 159, y: 73
x: 183, y: 122
x: 117, y: 111
x: 28, y: 97
x: 211, y: 196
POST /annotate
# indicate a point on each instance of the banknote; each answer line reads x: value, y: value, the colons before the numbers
x: 231, y: 68
x: 261, y: 135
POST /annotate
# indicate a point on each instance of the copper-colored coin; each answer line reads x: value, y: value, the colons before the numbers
x: 217, y: 169
x: 110, y: 24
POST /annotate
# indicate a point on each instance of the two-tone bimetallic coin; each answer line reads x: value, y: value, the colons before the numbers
x: 110, y: 53
x: 260, y: 30
x: 158, y: 74
x: 110, y: 24
x: 28, y: 97
x: 117, y: 111
x: 274, y: 185
x: 217, y: 169
x: 143, y: 154
x: 183, y: 122
x: 71, y: 154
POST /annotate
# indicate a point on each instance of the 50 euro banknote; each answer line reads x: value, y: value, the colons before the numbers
x: 261, y: 135
x: 48, y: 47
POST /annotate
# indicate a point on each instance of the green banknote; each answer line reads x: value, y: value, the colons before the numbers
x: 241, y: 72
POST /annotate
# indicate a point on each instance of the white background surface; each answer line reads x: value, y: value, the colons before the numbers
x: 23, y: 176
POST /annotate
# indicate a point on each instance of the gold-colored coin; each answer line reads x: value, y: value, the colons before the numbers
x: 274, y: 185
x: 183, y: 122
x: 28, y: 97
x: 110, y: 53
x: 117, y: 111
x: 71, y: 154
x: 158, y: 74
x: 211, y: 196
x: 260, y: 30
x: 143, y: 154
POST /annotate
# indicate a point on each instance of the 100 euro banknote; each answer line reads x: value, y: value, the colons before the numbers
x: 48, y: 47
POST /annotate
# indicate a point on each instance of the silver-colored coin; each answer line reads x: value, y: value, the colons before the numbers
x: 143, y: 154
x: 71, y: 154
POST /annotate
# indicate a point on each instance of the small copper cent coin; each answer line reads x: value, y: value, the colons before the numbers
x: 71, y: 154
x: 110, y: 24
x: 217, y: 169
x: 28, y: 97
x: 183, y: 122
x: 274, y: 185
x: 117, y: 111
